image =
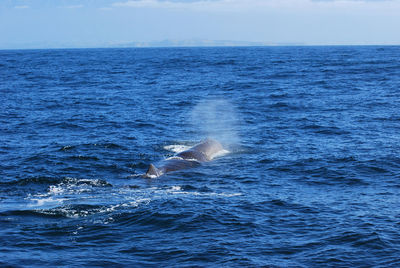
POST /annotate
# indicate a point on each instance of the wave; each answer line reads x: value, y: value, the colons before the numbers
x: 332, y: 130
x: 75, y: 198
x: 52, y: 180
x: 31, y: 180
x: 107, y: 145
x: 336, y: 170
x: 84, y: 157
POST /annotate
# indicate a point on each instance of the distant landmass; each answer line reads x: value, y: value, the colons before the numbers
x: 200, y: 43
x: 163, y: 43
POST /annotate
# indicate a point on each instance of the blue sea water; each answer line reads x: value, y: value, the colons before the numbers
x: 312, y: 177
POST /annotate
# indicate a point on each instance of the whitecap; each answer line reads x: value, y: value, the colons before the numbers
x: 45, y: 202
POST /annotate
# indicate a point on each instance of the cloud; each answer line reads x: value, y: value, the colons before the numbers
x: 153, y: 3
x: 210, y: 5
x: 229, y: 5
x: 73, y: 6
x: 21, y: 7
x: 353, y: 0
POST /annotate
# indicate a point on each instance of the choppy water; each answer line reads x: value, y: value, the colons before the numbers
x: 312, y: 178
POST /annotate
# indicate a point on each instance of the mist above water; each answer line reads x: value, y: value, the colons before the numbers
x: 216, y: 118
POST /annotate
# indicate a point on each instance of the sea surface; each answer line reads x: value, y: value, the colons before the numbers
x: 312, y: 177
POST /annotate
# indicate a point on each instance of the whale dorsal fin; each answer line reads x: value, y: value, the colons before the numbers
x: 153, y: 171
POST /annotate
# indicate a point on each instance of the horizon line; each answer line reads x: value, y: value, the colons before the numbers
x: 196, y: 46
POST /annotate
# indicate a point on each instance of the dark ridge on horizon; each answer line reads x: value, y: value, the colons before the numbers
x: 172, y: 44
x: 161, y: 43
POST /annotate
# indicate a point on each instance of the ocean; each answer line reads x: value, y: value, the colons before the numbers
x: 311, y: 177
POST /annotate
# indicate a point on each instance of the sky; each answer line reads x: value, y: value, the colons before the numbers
x: 103, y: 23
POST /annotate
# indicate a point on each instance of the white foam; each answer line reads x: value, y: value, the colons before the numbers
x: 66, y: 198
x: 174, y: 157
x: 176, y: 148
x: 180, y: 158
x: 177, y: 190
x: 56, y: 189
x: 63, y: 192
x: 46, y: 202
x: 136, y: 175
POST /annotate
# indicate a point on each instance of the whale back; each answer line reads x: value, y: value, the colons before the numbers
x: 178, y: 164
x: 208, y: 148
x: 193, y: 155
x: 201, y: 152
x: 170, y: 165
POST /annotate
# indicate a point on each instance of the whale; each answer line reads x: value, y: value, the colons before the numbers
x: 202, y: 152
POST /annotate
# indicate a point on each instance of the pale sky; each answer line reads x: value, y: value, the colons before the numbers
x: 96, y: 23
